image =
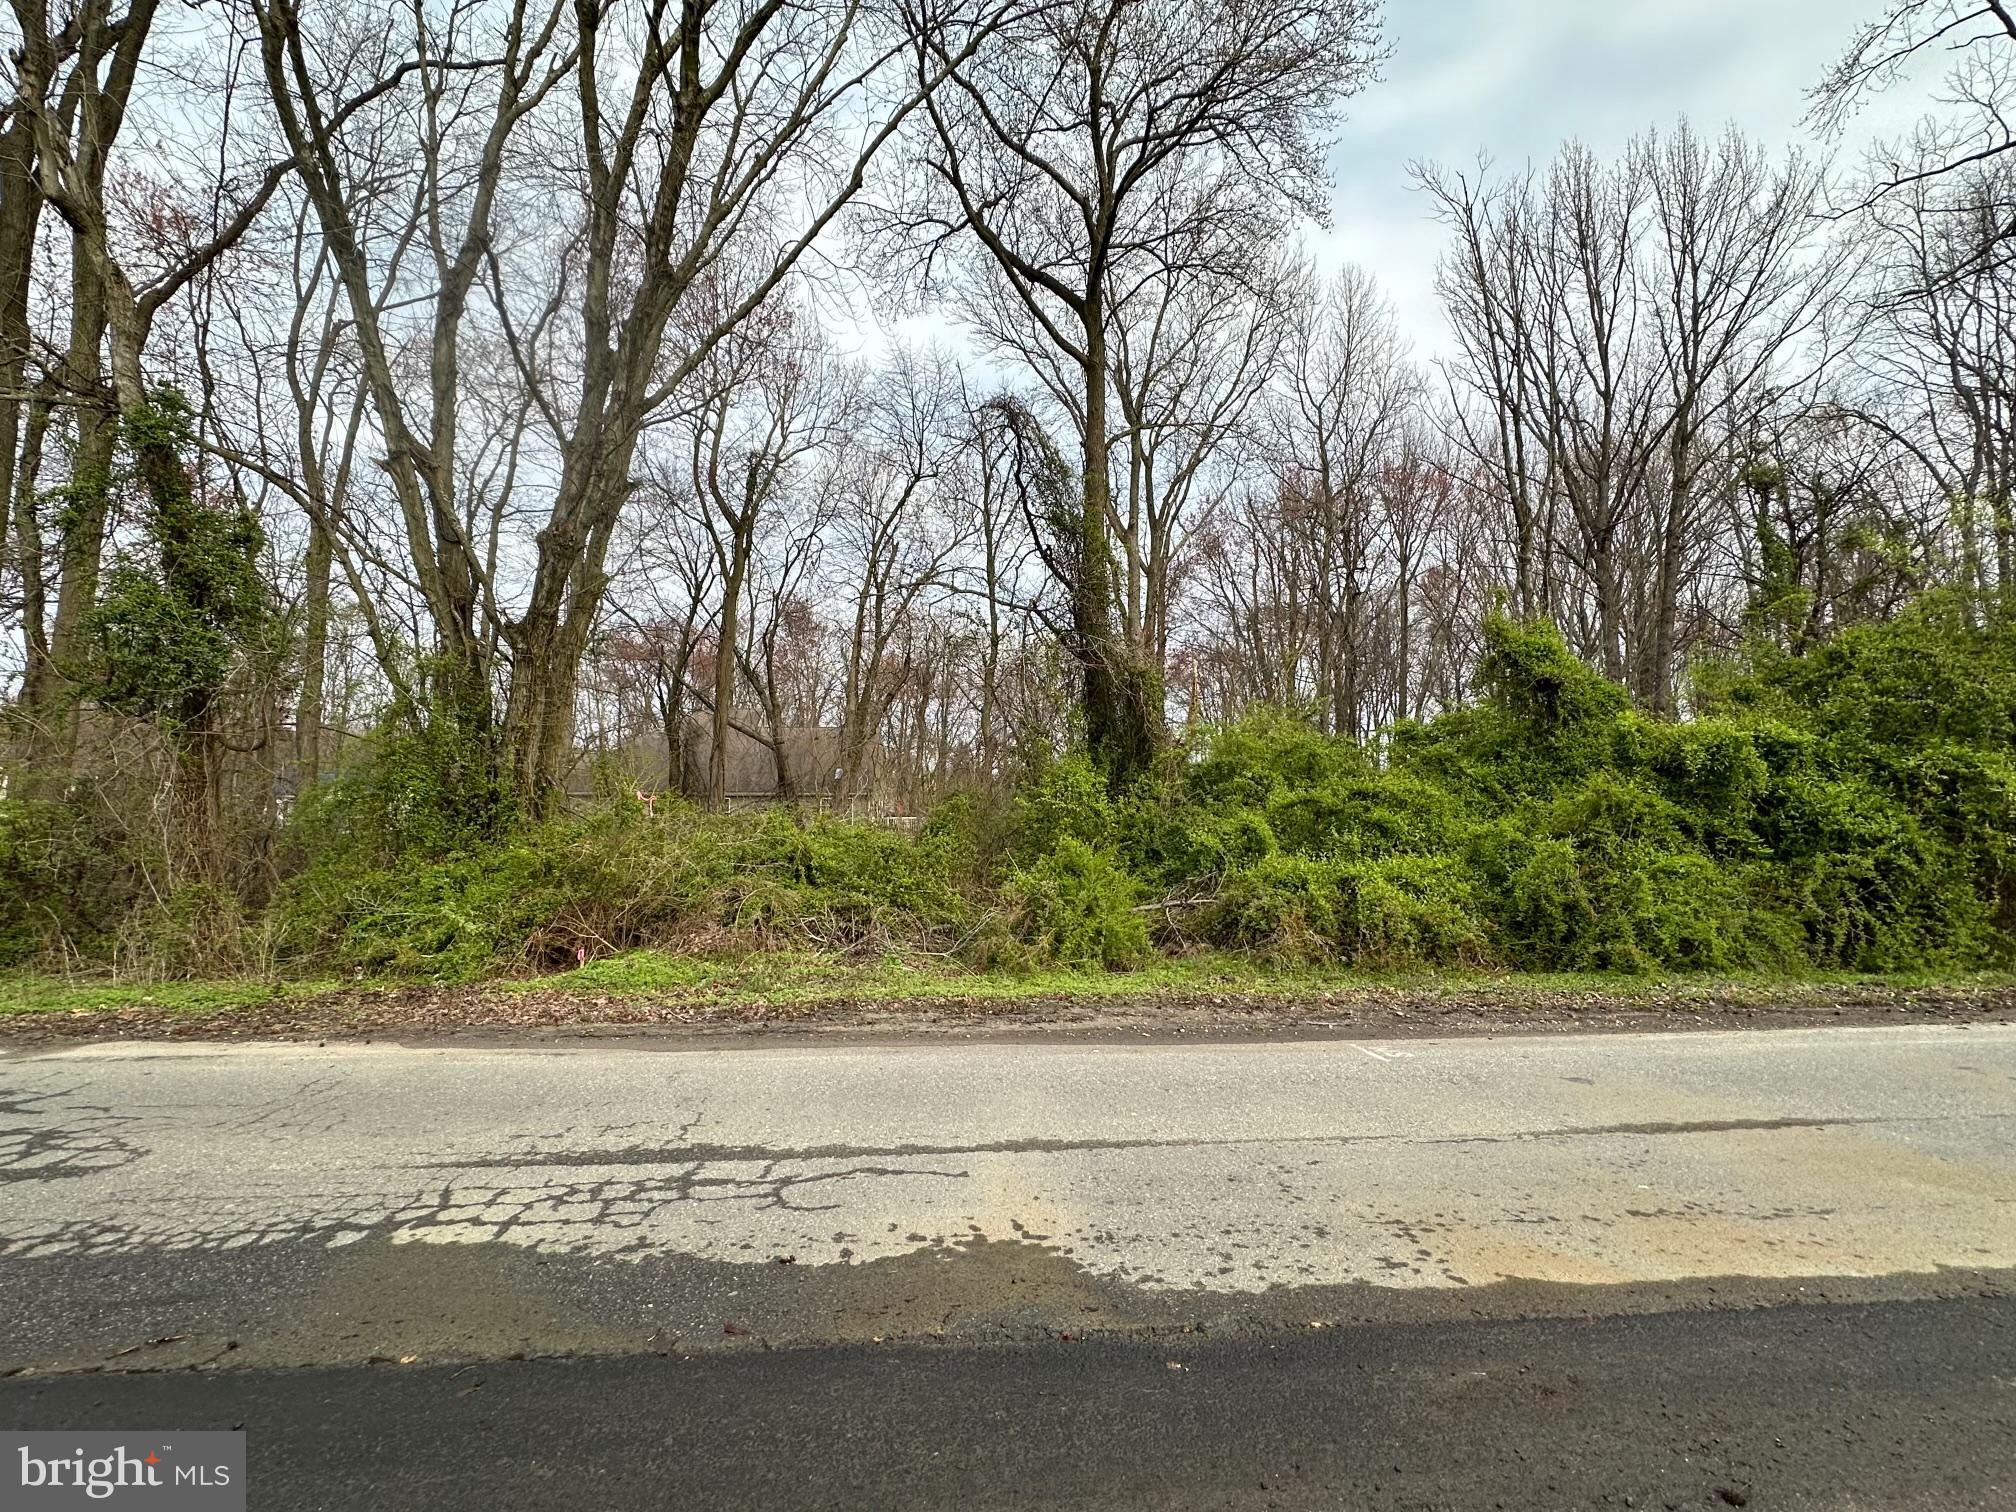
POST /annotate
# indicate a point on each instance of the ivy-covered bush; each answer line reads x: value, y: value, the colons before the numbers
x: 1852, y: 809
x: 1076, y: 906
x: 615, y: 878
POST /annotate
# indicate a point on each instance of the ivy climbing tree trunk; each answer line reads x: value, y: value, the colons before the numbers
x: 1122, y: 692
x: 182, y: 615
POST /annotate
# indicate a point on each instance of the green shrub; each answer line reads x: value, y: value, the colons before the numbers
x: 427, y: 787
x: 1604, y: 879
x: 1529, y: 674
x: 1545, y: 723
x: 1187, y: 846
x: 616, y: 878
x: 1285, y: 907
x: 968, y: 835
x: 450, y: 920
x: 841, y: 883
x: 1412, y: 911
x: 68, y: 880
x: 1712, y: 772
x: 1368, y: 814
x: 1067, y: 799
x: 1075, y: 906
x: 1389, y: 911
x: 1248, y: 764
x: 1873, y: 890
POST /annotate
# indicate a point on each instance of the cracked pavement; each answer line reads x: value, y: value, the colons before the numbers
x: 244, y: 1205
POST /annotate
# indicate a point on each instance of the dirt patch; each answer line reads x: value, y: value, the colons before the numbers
x: 544, y: 1015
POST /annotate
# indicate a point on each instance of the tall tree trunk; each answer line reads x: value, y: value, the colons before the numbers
x: 1403, y: 641
x: 52, y: 706
x: 308, y: 710
x: 1657, y: 683
x: 1609, y: 581
x: 1123, y: 714
x: 990, y: 668
x: 28, y: 558
x: 724, y: 676
x: 20, y: 212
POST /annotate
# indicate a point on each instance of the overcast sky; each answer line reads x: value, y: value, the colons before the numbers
x: 1519, y: 77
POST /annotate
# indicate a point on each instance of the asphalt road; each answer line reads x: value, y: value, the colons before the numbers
x: 1881, y: 1408
x: 833, y: 1275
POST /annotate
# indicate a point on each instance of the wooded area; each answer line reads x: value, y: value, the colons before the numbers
x: 429, y: 435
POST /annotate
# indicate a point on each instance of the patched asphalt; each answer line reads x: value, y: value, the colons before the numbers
x: 1543, y: 1272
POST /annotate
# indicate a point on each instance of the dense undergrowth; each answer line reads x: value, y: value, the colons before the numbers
x: 1849, y: 809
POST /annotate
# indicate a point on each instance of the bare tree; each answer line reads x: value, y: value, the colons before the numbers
x: 1731, y: 289
x: 1193, y: 348
x: 1939, y: 359
x: 666, y: 153
x: 1618, y: 325
x: 1340, y: 412
x: 1092, y: 146
x: 762, y: 401
x: 897, y: 541
x: 1977, y: 41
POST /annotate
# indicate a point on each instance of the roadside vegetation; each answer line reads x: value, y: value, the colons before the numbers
x: 1851, y: 809
x: 453, y: 533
